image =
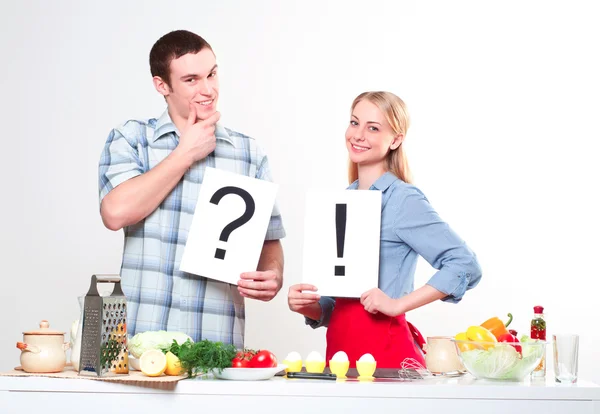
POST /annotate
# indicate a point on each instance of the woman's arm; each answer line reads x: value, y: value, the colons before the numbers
x: 420, y: 227
x: 375, y: 300
x: 316, y: 309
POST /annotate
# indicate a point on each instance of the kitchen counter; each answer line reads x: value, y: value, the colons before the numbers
x: 464, y: 394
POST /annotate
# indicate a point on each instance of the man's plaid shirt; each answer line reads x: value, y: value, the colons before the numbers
x: 159, y: 296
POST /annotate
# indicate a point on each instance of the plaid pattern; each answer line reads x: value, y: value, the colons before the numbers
x: 159, y: 296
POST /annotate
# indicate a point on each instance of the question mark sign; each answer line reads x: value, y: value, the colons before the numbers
x: 240, y: 221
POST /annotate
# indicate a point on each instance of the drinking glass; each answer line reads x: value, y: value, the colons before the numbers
x: 566, y: 356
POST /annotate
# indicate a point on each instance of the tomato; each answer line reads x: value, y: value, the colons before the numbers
x: 242, y: 358
x: 510, y: 338
x: 245, y: 354
x: 239, y: 363
x: 263, y: 359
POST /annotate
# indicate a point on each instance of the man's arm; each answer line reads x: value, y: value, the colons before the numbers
x: 135, y: 199
x: 265, y: 283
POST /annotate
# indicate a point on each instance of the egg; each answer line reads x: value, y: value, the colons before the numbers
x: 293, y: 356
x: 315, y: 362
x: 366, y: 366
x: 367, y: 358
x: 340, y: 356
x: 339, y: 364
x: 293, y: 362
x: 314, y: 356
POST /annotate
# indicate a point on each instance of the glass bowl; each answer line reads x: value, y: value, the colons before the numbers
x: 500, y: 360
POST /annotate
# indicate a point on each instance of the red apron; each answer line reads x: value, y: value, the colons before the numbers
x: 357, y: 332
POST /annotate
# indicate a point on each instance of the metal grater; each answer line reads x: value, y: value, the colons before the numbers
x: 104, y: 334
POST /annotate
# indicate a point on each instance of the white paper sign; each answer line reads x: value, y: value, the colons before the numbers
x: 229, y: 226
x: 341, y: 241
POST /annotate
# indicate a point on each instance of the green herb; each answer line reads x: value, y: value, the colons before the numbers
x: 539, y: 324
x: 203, y: 356
x: 109, y: 352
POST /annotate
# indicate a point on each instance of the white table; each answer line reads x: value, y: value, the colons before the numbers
x: 280, y: 395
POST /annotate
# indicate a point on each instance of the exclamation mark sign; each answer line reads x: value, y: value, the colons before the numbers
x: 340, y: 232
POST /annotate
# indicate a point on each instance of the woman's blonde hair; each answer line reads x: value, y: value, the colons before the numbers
x: 396, y: 114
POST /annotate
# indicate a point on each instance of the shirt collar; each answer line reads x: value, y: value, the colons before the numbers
x: 353, y: 186
x: 164, y: 126
x: 382, y: 183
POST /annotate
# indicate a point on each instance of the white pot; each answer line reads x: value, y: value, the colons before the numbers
x: 43, y: 350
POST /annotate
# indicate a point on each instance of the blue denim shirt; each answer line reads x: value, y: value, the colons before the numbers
x: 411, y: 227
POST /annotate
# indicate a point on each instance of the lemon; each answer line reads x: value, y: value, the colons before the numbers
x: 153, y: 363
x: 173, y: 365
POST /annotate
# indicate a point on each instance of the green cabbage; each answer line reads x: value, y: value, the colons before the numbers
x: 144, y: 341
x: 502, y: 361
x: 529, y: 350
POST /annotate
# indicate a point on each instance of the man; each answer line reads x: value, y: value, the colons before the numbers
x: 150, y: 174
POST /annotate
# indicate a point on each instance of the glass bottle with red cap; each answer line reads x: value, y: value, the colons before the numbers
x: 538, y: 331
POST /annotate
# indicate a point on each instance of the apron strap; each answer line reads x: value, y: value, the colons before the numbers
x: 418, y: 338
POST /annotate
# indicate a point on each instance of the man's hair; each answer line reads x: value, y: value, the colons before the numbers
x: 171, y: 46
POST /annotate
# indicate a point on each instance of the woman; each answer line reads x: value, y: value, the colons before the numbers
x: 376, y: 323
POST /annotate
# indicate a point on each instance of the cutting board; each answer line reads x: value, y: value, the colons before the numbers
x: 134, y: 377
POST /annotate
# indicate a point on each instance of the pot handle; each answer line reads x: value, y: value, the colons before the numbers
x: 26, y: 347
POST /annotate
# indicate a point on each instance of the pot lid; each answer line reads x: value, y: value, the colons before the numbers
x: 44, y: 330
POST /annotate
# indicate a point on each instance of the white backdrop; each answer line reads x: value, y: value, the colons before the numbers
x: 504, y: 104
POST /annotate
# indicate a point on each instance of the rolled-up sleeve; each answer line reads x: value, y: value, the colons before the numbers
x: 327, y: 304
x: 275, y: 231
x: 420, y: 227
x: 119, y: 162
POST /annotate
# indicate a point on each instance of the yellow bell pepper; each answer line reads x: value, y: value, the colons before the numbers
x: 464, y: 346
x: 496, y: 326
x: 481, y: 334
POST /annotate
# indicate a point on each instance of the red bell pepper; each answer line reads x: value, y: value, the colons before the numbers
x: 510, y: 338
